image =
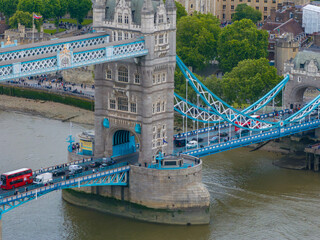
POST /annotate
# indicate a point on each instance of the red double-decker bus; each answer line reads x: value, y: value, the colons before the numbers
x: 16, y: 178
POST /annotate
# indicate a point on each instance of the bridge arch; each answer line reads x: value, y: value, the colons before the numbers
x: 297, y: 96
x: 124, y: 142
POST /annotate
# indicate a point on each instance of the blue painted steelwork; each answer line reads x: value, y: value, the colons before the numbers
x: 70, y: 140
x: 221, y: 108
x: 245, y: 141
x: 68, y: 59
x: 123, y: 143
x: 116, y: 177
x: 137, y: 128
x: 53, y: 46
x: 200, y: 114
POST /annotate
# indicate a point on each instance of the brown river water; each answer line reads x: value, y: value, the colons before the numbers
x: 250, y: 197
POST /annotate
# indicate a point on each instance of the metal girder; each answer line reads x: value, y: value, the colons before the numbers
x: 195, y: 113
x: 116, y: 177
x: 221, y: 108
x: 53, y: 46
x: 67, y: 59
x: 245, y: 141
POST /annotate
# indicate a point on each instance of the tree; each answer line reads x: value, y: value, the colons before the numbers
x: 239, y: 41
x: 24, y: 18
x: 51, y: 8
x: 78, y: 9
x: 197, y: 37
x: 181, y: 11
x: 245, y: 11
x: 8, y: 8
x: 31, y: 6
x: 249, y: 80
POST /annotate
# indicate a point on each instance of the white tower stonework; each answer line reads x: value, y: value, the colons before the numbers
x: 137, y: 92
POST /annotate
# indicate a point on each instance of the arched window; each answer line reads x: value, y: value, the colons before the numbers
x: 123, y: 74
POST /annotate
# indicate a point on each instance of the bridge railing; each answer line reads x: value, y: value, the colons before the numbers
x: 38, y: 190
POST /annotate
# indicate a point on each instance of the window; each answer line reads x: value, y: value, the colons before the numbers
x: 223, y: 16
x: 123, y: 74
x: 265, y: 9
x: 163, y: 77
x: 257, y: 8
x: 126, y: 36
x: 273, y: 1
x: 114, y: 36
x: 163, y: 107
x: 122, y: 104
x: 158, y: 107
x: 137, y: 78
x: 133, y: 107
x: 155, y: 40
x: 119, y: 18
x: 224, y: 7
x: 161, y: 39
x: 299, y: 79
x: 191, y: 6
x: 158, y: 133
x: 119, y: 36
x: 249, y: 0
x: 126, y: 19
x: 257, y: 1
x: 232, y: 7
x: 153, y: 79
x: 301, y: 66
x: 159, y: 78
x: 265, y: 1
x: 265, y: 17
x: 153, y: 111
x: 160, y: 18
x: 112, y: 104
x: 109, y: 75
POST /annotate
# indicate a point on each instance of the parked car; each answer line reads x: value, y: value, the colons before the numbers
x: 224, y: 134
x: 214, y: 139
x: 192, y: 144
x: 57, y: 173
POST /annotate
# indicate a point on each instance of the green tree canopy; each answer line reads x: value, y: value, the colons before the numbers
x: 181, y: 11
x: 31, y: 6
x: 197, y: 37
x: 239, y: 41
x: 249, y: 80
x: 51, y: 8
x: 24, y: 18
x: 245, y: 11
x: 78, y: 9
x: 8, y: 7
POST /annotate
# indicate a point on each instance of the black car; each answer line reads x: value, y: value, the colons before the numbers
x: 223, y: 134
x: 198, y: 139
x: 95, y: 164
x: 57, y: 173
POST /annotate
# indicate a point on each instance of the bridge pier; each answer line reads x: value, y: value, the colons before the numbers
x: 0, y: 227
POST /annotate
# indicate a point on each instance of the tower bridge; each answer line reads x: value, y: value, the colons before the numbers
x: 134, y: 56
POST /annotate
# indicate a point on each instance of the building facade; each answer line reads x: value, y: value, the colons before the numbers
x: 134, y: 98
x: 223, y: 9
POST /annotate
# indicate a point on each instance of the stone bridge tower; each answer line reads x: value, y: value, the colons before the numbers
x: 134, y: 98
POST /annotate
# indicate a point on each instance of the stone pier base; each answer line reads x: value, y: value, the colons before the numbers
x: 162, y: 196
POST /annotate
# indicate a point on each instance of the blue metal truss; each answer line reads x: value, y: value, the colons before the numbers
x: 257, y: 138
x: 195, y: 113
x: 115, y: 177
x: 67, y: 59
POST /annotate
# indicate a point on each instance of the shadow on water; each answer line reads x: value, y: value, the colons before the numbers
x: 85, y: 224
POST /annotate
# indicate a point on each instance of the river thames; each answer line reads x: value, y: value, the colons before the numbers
x: 250, y: 197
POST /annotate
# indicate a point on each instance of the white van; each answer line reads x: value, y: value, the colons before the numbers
x: 43, y: 178
x: 74, y: 169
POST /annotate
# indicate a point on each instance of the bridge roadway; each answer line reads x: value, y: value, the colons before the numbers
x: 121, y: 164
x: 229, y: 135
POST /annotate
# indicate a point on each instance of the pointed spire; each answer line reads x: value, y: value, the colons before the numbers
x: 170, y: 5
x: 147, y: 6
